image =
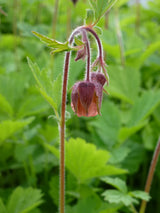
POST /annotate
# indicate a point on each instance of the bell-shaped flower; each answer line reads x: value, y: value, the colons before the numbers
x: 87, y: 95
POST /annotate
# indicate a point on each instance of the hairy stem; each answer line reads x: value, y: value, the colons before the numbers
x: 85, y: 39
x: 63, y: 108
x: 150, y: 175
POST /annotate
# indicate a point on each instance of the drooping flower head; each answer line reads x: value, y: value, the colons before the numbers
x: 87, y: 95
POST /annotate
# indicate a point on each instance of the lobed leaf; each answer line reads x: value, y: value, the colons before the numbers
x: 90, y: 162
x: 116, y: 182
x: 24, y: 200
x: 115, y: 196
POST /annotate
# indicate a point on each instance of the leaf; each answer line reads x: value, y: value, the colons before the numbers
x: 49, y: 89
x: 116, y: 182
x: 149, y: 51
x: 143, y: 107
x: 32, y: 105
x: 109, y: 124
x: 89, y: 17
x: 126, y: 132
x: 90, y: 163
x: 2, y: 207
x: 24, y: 200
x: 103, y: 6
x: 56, y: 46
x: 9, y: 127
x: 140, y: 195
x: 5, y: 106
x: 115, y: 196
x: 124, y: 83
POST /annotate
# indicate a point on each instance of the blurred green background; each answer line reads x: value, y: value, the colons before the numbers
x: 128, y: 128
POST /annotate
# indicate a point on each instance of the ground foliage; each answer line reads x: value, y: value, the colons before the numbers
x: 108, y: 156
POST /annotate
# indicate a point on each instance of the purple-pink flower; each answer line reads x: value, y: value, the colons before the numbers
x: 87, y: 95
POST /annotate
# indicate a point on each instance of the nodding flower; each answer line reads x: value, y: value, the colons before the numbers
x: 87, y: 95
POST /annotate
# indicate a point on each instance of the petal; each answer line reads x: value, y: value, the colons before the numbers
x: 86, y: 92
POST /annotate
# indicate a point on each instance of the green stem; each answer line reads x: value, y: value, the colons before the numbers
x: 150, y: 175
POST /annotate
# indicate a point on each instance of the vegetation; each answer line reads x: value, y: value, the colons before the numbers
x: 107, y: 157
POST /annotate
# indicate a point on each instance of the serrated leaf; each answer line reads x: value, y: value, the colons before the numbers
x: 2, y: 207
x: 90, y: 163
x: 114, y: 196
x: 9, y: 127
x: 5, y: 106
x: 89, y: 17
x: 24, y: 200
x: 140, y: 195
x: 49, y: 89
x: 116, y: 182
x: 55, y: 45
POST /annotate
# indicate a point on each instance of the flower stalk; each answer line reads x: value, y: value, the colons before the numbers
x: 80, y: 30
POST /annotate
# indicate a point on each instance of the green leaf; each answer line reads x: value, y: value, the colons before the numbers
x: 78, y: 42
x: 108, y: 125
x: 32, y: 105
x: 8, y: 127
x: 2, y: 207
x: 124, y: 83
x: 143, y: 107
x: 116, y: 182
x: 90, y: 17
x: 90, y: 163
x: 149, y: 51
x: 114, y: 196
x: 140, y: 195
x: 103, y: 6
x: 56, y: 46
x: 126, y: 132
x: 24, y: 200
x: 5, y: 106
x: 50, y: 90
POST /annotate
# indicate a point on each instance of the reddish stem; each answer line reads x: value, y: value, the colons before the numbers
x: 63, y: 108
x: 150, y: 174
x: 85, y: 39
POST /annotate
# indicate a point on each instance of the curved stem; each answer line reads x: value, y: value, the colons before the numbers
x: 85, y: 39
x: 100, y: 49
x: 150, y: 175
x: 63, y: 108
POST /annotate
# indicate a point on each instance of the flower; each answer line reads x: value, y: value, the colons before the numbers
x: 87, y: 95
